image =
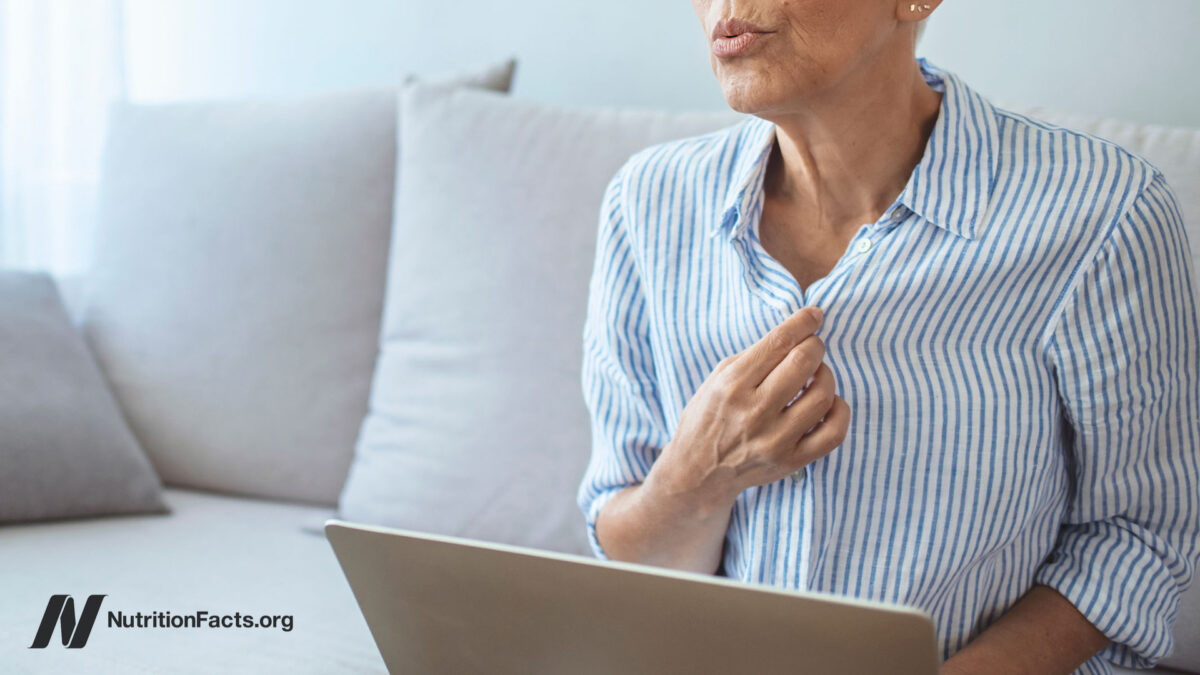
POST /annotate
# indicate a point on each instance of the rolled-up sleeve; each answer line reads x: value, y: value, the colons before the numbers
x: 1126, y: 351
x: 628, y: 430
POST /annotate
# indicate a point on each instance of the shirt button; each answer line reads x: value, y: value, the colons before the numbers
x: 798, y: 474
x: 863, y: 245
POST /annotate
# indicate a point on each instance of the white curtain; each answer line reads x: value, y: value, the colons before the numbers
x: 60, y: 69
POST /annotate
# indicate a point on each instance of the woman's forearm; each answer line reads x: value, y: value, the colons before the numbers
x: 658, y: 523
x: 1042, y: 634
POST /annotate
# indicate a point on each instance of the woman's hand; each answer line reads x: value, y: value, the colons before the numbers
x: 739, y: 430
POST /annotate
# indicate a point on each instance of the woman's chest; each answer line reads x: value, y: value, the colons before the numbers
x: 808, y: 255
x: 797, y: 242
x: 923, y: 326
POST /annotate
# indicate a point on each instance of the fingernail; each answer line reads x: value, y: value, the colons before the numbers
x: 816, y: 312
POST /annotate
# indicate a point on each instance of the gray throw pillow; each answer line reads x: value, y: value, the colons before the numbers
x: 477, y: 425
x: 65, y: 451
x: 235, y: 297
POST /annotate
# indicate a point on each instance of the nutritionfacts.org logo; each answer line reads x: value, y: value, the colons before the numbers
x: 75, y: 628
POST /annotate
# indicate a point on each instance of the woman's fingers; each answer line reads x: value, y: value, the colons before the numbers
x: 812, y: 405
x: 761, y: 358
x: 827, y: 435
x: 787, y: 379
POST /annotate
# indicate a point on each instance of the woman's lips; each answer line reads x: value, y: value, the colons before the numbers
x: 724, y: 47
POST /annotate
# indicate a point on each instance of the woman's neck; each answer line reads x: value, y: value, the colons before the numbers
x: 843, y: 158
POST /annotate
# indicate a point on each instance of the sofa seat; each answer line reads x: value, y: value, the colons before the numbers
x: 215, y: 553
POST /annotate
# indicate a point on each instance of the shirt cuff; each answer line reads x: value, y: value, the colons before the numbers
x: 1118, y: 579
x: 592, y: 512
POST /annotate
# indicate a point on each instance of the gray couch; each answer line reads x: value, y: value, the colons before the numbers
x: 243, y: 532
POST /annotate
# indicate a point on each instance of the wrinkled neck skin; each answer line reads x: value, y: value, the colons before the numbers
x: 844, y: 154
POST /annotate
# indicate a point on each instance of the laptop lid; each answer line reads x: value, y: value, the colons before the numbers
x: 439, y: 604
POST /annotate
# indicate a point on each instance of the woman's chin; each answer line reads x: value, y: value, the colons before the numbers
x: 749, y: 90
x: 749, y: 99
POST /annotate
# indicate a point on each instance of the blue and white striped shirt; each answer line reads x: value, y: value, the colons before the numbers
x: 1016, y: 338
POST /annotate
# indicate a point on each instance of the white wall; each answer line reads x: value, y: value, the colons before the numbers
x: 634, y: 52
x: 1136, y: 60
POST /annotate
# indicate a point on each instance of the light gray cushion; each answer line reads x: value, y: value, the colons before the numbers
x: 65, y: 451
x: 214, y: 553
x: 477, y: 426
x: 234, y: 301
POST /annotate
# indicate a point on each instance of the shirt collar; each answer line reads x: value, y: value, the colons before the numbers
x: 950, y: 186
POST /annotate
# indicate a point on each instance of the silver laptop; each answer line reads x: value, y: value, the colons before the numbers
x: 438, y: 604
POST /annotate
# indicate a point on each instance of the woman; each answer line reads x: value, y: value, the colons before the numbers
x: 990, y: 321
